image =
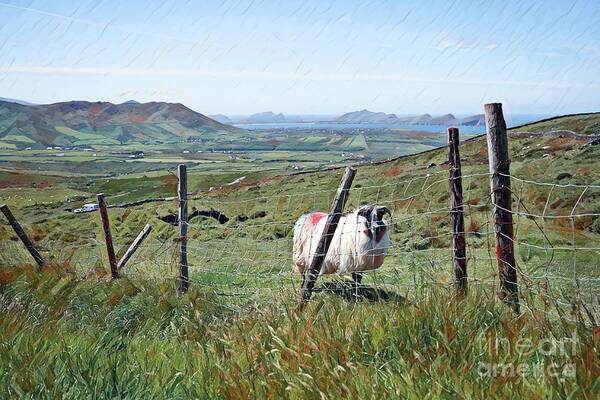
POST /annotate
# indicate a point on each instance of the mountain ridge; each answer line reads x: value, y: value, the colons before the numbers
x: 366, y: 116
x: 83, y: 123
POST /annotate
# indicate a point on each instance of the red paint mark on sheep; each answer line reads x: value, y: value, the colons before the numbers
x: 315, y: 217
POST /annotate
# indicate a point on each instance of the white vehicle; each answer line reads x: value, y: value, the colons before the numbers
x: 86, y: 208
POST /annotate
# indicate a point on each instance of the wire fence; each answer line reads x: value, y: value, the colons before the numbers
x: 248, y: 259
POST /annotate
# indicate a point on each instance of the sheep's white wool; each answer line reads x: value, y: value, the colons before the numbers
x: 351, y: 250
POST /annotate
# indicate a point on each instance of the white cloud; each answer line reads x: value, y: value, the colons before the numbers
x: 270, y: 75
x: 445, y: 44
x: 150, y: 92
x: 462, y: 45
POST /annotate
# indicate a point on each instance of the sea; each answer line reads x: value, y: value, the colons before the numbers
x: 513, y: 120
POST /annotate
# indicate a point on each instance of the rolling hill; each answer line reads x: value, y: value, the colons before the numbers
x: 85, y: 124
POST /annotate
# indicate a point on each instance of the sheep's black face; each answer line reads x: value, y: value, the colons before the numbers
x: 379, y: 226
x: 376, y: 226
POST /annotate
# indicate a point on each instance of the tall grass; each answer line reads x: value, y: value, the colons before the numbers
x: 63, y: 337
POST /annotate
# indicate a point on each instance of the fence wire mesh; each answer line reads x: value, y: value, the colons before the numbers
x: 240, y: 241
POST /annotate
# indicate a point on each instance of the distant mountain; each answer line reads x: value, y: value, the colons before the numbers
x: 83, y: 123
x: 366, y: 116
x: 424, y: 119
x: 446, y: 119
x: 474, y: 120
x: 22, y: 102
x: 266, y: 117
x: 224, y: 119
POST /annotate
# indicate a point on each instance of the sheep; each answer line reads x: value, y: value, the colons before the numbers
x: 360, y: 242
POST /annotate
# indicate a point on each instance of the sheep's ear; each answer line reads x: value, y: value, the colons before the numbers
x: 365, y: 211
x: 381, y: 211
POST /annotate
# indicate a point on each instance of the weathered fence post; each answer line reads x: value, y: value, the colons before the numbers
x: 183, y: 219
x: 112, y: 258
x: 459, y: 256
x: 499, y: 163
x: 330, y: 225
x: 134, y: 246
x: 22, y: 235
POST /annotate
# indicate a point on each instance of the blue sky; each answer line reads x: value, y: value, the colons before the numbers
x: 237, y: 57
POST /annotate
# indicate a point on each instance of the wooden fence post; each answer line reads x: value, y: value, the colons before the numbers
x: 112, y: 258
x: 330, y: 225
x: 499, y: 163
x: 22, y: 235
x: 183, y: 228
x: 459, y: 256
x: 134, y: 246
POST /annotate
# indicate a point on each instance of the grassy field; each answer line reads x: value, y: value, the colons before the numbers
x: 69, y: 332
x: 66, y: 338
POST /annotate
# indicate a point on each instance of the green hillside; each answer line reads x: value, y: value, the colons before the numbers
x: 582, y: 124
